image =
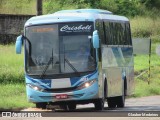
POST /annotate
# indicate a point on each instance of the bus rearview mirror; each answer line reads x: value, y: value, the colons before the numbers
x: 19, y: 44
x: 95, y: 39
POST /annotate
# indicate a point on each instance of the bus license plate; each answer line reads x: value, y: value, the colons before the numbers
x: 62, y: 96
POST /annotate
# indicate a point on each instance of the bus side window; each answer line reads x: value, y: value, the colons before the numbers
x: 107, y: 33
x: 112, y: 33
x: 128, y: 34
x: 100, y: 28
x: 120, y: 30
x: 117, y: 33
x: 102, y: 32
x: 124, y: 41
x: 111, y: 26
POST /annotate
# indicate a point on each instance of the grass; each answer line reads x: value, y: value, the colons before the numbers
x: 13, y: 97
x: 147, y: 27
x: 27, y: 7
x: 142, y: 88
x: 11, y: 65
x: 12, y: 81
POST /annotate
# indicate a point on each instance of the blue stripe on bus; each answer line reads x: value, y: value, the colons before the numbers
x: 42, y: 83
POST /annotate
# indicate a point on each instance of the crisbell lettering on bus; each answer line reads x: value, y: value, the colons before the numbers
x: 67, y: 28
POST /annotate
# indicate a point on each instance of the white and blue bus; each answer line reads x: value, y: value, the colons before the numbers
x: 77, y: 57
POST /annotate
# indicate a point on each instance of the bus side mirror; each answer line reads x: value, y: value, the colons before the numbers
x: 95, y: 39
x: 19, y: 44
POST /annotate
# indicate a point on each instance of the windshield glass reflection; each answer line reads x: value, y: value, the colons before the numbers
x: 69, y: 53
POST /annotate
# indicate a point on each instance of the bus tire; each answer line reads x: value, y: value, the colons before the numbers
x: 121, y: 99
x: 99, y: 104
x: 111, y: 102
x: 71, y: 106
x: 105, y: 89
x: 41, y: 105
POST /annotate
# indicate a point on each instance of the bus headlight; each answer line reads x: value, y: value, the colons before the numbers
x: 35, y: 87
x: 86, y: 84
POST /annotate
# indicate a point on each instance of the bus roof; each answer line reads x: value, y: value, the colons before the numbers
x: 93, y: 11
x: 73, y: 16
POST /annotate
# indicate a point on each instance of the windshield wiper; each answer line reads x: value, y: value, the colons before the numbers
x: 69, y: 63
x: 73, y: 68
x: 46, y: 67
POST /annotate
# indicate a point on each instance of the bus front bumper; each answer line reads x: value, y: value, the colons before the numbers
x: 88, y: 93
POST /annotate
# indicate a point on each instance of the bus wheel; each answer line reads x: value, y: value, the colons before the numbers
x: 121, y: 101
x: 41, y: 105
x: 99, y: 104
x: 111, y: 102
x: 71, y: 106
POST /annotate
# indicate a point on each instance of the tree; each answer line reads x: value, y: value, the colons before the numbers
x: 151, y: 3
x: 121, y: 7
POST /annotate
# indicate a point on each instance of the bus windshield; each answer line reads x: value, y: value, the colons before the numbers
x: 63, y: 48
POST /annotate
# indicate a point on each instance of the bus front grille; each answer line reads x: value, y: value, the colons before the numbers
x: 61, y: 90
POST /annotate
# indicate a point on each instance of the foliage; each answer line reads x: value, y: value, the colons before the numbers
x: 17, y: 6
x: 151, y: 3
x: 145, y: 27
x: 51, y: 6
x: 121, y: 7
